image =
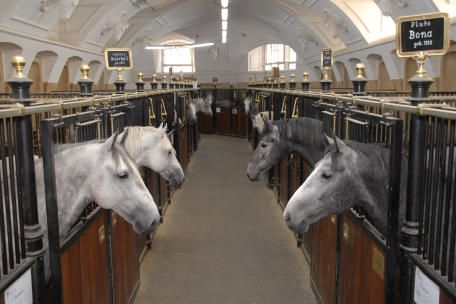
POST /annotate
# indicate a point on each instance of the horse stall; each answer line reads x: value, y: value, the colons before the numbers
x: 206, y: 124
x: 98, y: 259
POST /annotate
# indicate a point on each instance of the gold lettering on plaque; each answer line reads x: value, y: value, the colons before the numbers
x: 378, y: 262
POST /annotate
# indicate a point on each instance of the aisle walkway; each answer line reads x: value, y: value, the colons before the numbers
x: 223, y: 239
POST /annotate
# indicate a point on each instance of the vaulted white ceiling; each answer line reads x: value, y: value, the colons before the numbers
x: 95, y: 24
x: 306, y: 25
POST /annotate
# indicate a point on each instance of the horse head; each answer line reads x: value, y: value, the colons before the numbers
x: 205, y: 105
x: 270, y: 150
x: 191, y: 112
x: 116, y: 184
x: 331, y: 188
x: 152, y: 149
x: 247, y: 103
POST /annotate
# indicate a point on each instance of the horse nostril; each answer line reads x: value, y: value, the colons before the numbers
x: 286, y: 217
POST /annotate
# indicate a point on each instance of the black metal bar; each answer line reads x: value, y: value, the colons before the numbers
x: 392, y: 234
x: 415, y: 182
x: 47, y: 128
x: 452, y: 217
x: 447, y: 200
x: 14, y: 190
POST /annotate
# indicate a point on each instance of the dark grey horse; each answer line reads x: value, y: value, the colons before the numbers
x: 350, y: 173
x: 303, y: 135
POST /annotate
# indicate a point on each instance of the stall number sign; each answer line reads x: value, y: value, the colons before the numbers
x: 326, y: 58
x: 20, y: 292
x: 118, y: 59
x: 423, y: 33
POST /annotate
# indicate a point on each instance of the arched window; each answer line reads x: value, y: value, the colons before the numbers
x: 267, y: 56
x: 180, y: 59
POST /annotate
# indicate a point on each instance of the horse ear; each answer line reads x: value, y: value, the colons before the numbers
x: 339, y: 144
x: 110, y: 142
x: 328, y: 140
x: 124, y: 136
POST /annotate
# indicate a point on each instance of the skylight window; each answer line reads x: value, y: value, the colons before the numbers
x: 368, y: 18
x: 446, y: 6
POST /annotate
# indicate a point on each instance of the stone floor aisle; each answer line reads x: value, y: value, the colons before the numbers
x: 223, y: 239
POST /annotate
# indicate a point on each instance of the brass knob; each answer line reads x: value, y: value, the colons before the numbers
x: 85, y: 71
x: 119, y: 75
x: 360, y: 70
x: 154, y: 78
x: 292, y: 77
x: 282, y: 78
x: 18, y: 62
x: 140, y: 77
x: 305, y: 76
x: 164, y: 78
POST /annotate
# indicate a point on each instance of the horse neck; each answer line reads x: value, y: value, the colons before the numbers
x: 72, y: 183
x: 373, y: 177
x: 298, y: 137
x: 134, y: 143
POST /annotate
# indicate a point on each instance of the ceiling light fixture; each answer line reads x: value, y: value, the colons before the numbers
x: 224, y: 25
x: 224, y: 14
x: 169, y: 46
x: 224, y: 3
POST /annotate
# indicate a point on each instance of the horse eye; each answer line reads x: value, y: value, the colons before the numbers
x: 123, y: 175
x: 170, y: 152
x: 263, y: 145
x: 326, y: 175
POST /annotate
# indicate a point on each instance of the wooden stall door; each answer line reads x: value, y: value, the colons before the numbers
x: 125, y: 260
x: 183, y: 147
x: 206, y: 124
x: 323, y: 266
x: 307, y: 237
x: 239, y: 122
x: 223, y: 120
x: 94, y: 262
x: 284, y: 180
x: 70, y: 263
x: 361, y: 265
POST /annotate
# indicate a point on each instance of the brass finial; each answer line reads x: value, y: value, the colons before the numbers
x: 325, y: 71
x: 360, y: 70
x: 269, y: 79
x: 282, y: 78
x: 292, y: 77
x: 305, y: 76
x: 119, y: 75
x: 140, y: 77
x: 85, y: 71
x: 18, y: 62
x: 420, y: 58
x: 164, y: 78
x: 154, y: 78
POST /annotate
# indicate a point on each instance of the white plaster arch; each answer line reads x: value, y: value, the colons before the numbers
x: 48, y: 60
x: 372, y: 64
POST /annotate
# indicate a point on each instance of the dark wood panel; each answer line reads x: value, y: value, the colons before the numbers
x: 70, y: 262
x: 284, y: 180
x: 125, y: 260
x: 205, y: 124
x: 307, y: 237
x: 276, y: 180
x: 223, y: 120
x: 445, y: 298
x: 94, y: 263
x: 239, y: 122
x: 361, y: 269
x: 323, y: 267
x: 294, y: 175
x: 183, y: 148
x: 2, y: 298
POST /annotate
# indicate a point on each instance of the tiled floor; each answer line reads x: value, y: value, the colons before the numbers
x: 223, y: 239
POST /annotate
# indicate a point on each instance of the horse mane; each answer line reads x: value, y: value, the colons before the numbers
x: 312, y: 133
x: 133, y: 144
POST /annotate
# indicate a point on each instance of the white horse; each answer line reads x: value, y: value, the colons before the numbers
x: 199, y: 105
x: 256, y: 116
x: 149, y: 147
x: 97, y: 172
